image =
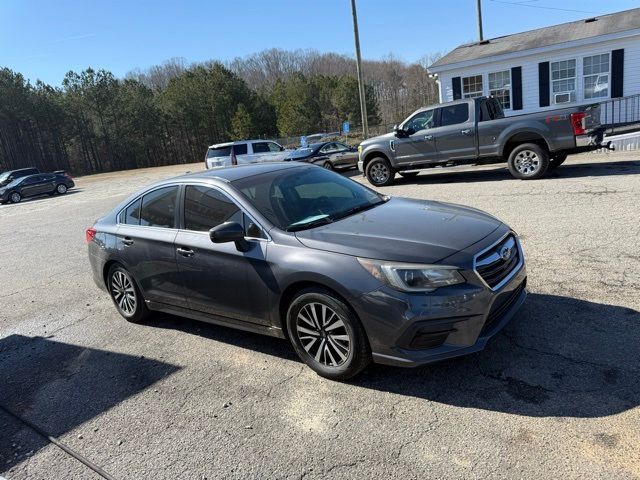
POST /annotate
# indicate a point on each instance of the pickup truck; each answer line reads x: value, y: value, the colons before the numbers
x: 475, y: 131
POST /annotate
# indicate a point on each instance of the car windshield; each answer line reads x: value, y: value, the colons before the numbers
x: 4, y: 178
x: 306, y: 197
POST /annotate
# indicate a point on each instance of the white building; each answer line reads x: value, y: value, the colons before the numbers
x: 588, y: 61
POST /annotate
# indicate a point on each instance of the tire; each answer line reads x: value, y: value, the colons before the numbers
x: 61, y: 189
x: 409, y: 174
x: 332, y: 343
x: 328, y: 166
x: 15, y: 197
x: 557, y: 160
x: 126, y: 295
x: 379, y: 172
x: 528, y: 161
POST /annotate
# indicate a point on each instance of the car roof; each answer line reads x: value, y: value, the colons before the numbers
x: 238, y: 142
x: 229, y: 174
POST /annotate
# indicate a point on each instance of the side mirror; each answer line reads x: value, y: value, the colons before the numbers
x: 400, y: 132
x: 227, y: 232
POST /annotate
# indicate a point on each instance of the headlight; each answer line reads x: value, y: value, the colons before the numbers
x: 359, y: 149
x: 412, y: 277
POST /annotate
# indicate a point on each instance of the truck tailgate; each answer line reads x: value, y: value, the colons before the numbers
x: 592, y: 117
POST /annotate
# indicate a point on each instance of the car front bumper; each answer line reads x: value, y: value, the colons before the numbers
x: 361, y: 166
x: 415, y: 329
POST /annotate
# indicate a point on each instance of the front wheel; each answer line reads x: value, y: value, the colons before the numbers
x: 126, y: 295
x: 528, y: 161
x: 328, y: 165
x: 379, y: 172
x: 15, y: 197
x: 61, y: 189
x: 557, y: 160
x: 326, y: 335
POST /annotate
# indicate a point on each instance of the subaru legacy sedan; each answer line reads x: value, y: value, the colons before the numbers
x: 347, y: 275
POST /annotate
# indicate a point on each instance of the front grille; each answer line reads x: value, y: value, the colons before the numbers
x: 495, y: 264
x: 502, y: 304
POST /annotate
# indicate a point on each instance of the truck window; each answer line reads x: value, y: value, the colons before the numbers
x: 240, y: 149
x: 420, y: 121
x: 454, y: 114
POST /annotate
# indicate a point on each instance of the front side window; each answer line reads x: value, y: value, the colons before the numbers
x: 472, y: 86
x: 500, y: 87
x: 563, y: 77
x: 454, y: 114
x: 330, y: 148
x: 274, y: 147
x: 595, y: 70
x: 421, y: 121
x: 205, y: 208
x: 159, y: 208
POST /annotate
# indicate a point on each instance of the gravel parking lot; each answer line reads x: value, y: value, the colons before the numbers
x: 556, y: 395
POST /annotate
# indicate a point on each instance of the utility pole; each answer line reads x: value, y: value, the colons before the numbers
x: 363, y: 102
x: 479, y: 8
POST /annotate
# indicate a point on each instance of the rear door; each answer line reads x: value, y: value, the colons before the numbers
x: 145, y: 240
x: 456, y: 134
x: 419, y: 146
x: 33, y: 185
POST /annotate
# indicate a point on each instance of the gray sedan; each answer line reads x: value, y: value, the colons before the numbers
x: 347, y: 275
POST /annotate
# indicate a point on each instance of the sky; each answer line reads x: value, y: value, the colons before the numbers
x: 44, y: 39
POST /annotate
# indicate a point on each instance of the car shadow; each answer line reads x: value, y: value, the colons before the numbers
x: 58, y: 386
x: 560, y: 356
x: 500, y: 172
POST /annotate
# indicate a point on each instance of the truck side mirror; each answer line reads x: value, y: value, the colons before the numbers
x: 399, y: 131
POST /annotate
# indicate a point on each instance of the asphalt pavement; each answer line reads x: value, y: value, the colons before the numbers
x: 555, y: 395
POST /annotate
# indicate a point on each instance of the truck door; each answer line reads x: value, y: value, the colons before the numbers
x: 419, y: 144
x: 456, y: 135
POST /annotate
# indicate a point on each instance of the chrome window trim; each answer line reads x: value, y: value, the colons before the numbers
x: 513, y: 272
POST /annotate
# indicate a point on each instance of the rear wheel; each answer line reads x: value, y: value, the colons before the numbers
x: 379, y: 172
x: 126, y: 295
x: 61, y: 189
x: 528, y: 161
x: 15, y: 197
x: 557, y: 160
x: 326, y: 335
x: 328, y: 165
x: 409, y: 174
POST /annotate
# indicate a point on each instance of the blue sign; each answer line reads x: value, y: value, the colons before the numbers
x: 303, y: 141
x: 345, y: 127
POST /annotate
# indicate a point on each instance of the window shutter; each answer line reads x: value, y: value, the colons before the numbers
x: 543, y: 83
x: 457, y: 88
x: 516, y: 88
x: 617, y: 73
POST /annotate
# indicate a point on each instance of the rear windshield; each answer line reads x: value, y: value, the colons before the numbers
x: 240, y: 149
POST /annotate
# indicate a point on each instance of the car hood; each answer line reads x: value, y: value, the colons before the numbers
x: 378, y: 139
x: 403, y: 230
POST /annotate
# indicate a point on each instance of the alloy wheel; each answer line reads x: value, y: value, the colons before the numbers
x: 124, y: 293
x: 527, y: 162
x: 15, y: 197
x: 61, y: 189
x: 323, y: 334
x: 379, y: 172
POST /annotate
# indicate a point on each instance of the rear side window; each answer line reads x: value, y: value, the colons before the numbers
x: 260, y: 147
x: 205, y: 208
x: 159, y: 208
x: 454, y: 114
x: 131, y: 214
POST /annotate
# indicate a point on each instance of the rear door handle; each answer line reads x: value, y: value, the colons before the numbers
x: 185, y: 252
x: 466, y: 131
x: 428, y: 137
x: 127, y: 241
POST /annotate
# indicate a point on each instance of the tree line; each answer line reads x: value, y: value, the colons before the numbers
x: 169, y: 113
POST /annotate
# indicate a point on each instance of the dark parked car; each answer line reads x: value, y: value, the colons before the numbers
x: 329, y: 155
x: 295, y: 251
x: 34, y: 185
x: 7, y: 177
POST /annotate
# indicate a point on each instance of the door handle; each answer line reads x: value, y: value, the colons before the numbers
x: 127, y: 241
x: 466, y: 131
x: 185, y: 252
x: 428, y: 137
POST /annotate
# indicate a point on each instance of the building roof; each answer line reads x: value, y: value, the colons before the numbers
x: 543, y: 37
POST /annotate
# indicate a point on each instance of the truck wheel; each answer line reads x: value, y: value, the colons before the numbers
x: 528, y: 161
x: 379, y: 172
x: 557, y: 160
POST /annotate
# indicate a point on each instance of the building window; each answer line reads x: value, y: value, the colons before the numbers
x: 596, y: 76
x: 500, y: 87
x: 563, y: 80
x: 472, y: 86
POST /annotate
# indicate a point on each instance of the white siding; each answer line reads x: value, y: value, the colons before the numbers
x: 529, y: 64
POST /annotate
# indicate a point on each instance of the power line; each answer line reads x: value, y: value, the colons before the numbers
x: 523, y: 4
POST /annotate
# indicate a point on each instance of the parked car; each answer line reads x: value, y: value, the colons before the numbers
x: 250, y: 151
x: 329, y: 155
x: 475, y: 131
x: 7, y: 177
x: 296, y: 251
x: 34, y: 185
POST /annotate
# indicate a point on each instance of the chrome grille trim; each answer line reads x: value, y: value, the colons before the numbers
x: 494, y: 257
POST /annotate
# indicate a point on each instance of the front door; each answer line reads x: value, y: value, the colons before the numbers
x: 419, y: 144
x: 223, y: 279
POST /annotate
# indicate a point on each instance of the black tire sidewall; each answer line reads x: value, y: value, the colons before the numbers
x: 142, y: 312
x: 385, y: 162
x: 359, y: 356
x: 542, y: 154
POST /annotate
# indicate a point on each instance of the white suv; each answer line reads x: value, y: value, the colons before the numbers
x: 249, y: 151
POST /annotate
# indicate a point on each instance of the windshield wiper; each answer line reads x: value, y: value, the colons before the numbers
x: 310, y: 224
